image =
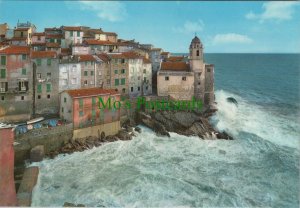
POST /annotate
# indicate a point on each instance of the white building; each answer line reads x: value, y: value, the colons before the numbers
x: 69, y: 74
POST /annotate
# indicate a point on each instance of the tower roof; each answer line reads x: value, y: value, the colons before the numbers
x: 196, y: 40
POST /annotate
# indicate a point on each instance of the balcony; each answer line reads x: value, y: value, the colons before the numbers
x: 2, y: 90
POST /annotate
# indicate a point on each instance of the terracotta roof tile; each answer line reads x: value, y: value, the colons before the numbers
x: 15, y: 50
x: 175, y: 58
x: 43, y: 54
x: 146, y: 61
x: 165, y: 53
x: 66, y: 51
x: 38, y: 34
x: 18, y: 38
x: 86, y: 58
x: 57, y: 36
x: 98, y: 42
x: 52, y: 45
x: 90, y: 92
x: 104, y: 57
x: 38, y: 44
x: 71, y: 28
x: 175, y: 66
x: 125, y: 55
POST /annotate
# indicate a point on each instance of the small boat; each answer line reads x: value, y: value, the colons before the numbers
x: 35, y: 120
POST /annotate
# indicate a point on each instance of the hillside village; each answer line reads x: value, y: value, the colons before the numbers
x: 60, y: 72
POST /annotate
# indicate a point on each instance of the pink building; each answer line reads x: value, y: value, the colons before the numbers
x: 7, y: 184
x: 82, y: 107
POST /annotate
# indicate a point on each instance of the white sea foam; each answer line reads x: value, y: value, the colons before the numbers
x: 181, y: 171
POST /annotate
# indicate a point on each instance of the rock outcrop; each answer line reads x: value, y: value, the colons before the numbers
x: 182, y: 122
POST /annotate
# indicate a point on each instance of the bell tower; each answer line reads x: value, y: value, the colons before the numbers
x: 197, y: 66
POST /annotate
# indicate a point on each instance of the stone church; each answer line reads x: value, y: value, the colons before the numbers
x: 183, y: 78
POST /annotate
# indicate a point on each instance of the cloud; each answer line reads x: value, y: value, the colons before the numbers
x: 278, y: 11
x: 190, y: 27
x: 112, y: 11
x: 231, y: 38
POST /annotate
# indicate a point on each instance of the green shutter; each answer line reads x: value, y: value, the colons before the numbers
x: 39, y: 88
x: 93, y: 113
x: 24, y: 71
x: 3, y: 60
x: 116, y: 82
x: 49, y: 62
x: 85, y: 73
x: 78, y: 33
x: 71, y: 33
x: 39, y: 62
x: 48, y: 87
x: 23, y: 56
x: 3, y: 73
x: 81, y: 103
x: 116, y: 71
x: 65, y: 100
x: 123, y: 81
x: 92, y: 73
x: 123, y: 71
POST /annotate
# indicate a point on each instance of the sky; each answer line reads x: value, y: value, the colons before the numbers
x: 223, y: 27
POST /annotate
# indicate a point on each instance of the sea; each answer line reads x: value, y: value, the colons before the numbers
x: 259, y: 168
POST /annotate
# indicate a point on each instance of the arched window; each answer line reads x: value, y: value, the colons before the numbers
x: 197, y: 52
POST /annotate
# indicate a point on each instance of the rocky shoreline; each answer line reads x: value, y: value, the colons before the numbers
x: 161, y: 122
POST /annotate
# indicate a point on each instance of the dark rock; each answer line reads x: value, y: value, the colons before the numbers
x: 232, y: 100
x: 129, y: 129
x: 37, y: 153
x: 138, y: 129
x: 67, y: 204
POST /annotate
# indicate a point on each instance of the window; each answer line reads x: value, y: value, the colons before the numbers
x: 197, y: 52
x: 146, y: 87
x: 85, y: 73
x: 22, y: 97
x: 48, y: 87
x: 78, y: 33
x: 183, y: 78
x: 123, y: 61
x: 24, y: 56
x: 85, y: 63
x: 49, y: 62
x: 81, y: 103
x: 3, y: 60
x: 80, y: 113
x: 123, y: 90
x: 116, y: 71
x: 145, y: 79
x: 131, y: 89
x: 39, y: 62
x: 3, y: 73
x: 199, y: 83
x: 116, y: 82
x: 39, y: 37
x: 144, y: 71
x: 208, y: 69
x: 74, y: 81
x: 92, y: 73
x: 49, y: 75
x: 24, y: 71
x: 62, y: 109
x: 123, y: 81
x: 65, y: 99
x: 85, y: 82
x: 39, y: 97
x: 2, y: 97
x: 22, y: 34
x: 39, y: 88
x: 123, y: 71
x: 23, y: 85
x: 71, y: 33
x: 39, y: 75
x: 48, y: 96
x: 139, y: 88
x: 51, y: 40
x: 3, y: 86
x: 167, y: 78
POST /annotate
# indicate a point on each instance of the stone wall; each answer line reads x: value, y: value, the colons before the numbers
x: 51, y: 139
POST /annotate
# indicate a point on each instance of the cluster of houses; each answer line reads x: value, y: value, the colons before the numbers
x: 61, y: 70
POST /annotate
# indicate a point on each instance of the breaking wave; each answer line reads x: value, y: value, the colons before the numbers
x: 259, y: 168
